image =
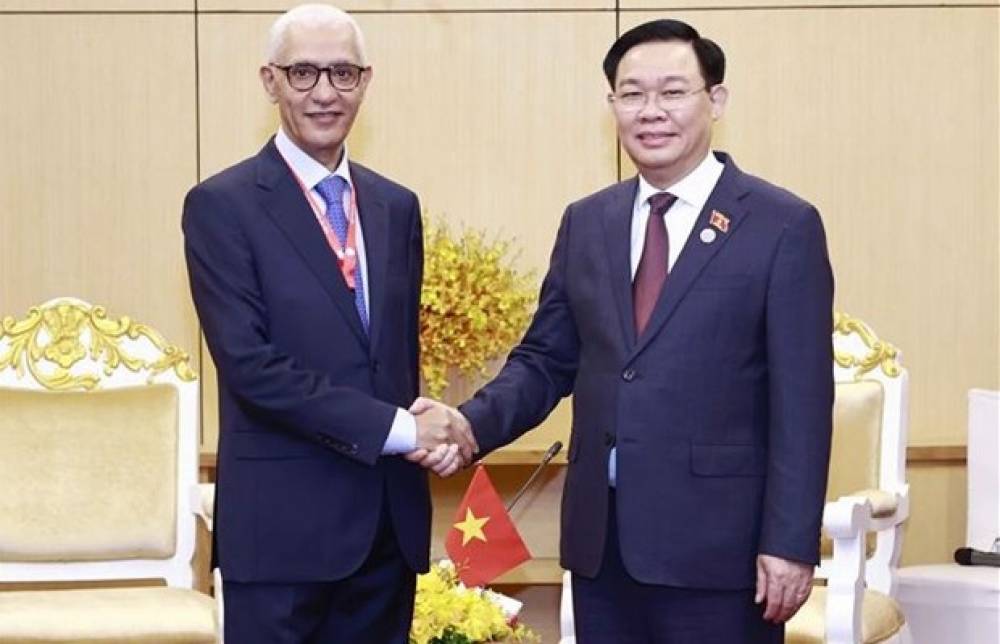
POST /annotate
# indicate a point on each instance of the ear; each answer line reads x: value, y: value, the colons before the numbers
x: 270, y: 82
x: 719, y: 96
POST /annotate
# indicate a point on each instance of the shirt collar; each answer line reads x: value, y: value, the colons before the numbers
x: 309, y: 170
x: 693, y: 189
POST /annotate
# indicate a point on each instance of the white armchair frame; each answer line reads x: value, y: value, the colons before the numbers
x: 860, y: 355
x: 67, y: 344
x: 203, y: 502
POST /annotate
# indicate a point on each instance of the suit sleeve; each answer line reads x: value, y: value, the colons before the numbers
x: 416, y: 268
x: 539, y: 371
x: 800, y: 368
x: 234, y: 318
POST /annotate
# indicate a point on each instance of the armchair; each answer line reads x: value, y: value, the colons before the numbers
x: 868, y: 498
x: 99, y: 432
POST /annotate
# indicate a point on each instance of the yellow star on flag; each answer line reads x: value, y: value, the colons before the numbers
x: 471, y: 528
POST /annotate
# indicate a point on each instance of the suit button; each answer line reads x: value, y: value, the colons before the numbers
x: 628, y: 375
x: 609, y: 439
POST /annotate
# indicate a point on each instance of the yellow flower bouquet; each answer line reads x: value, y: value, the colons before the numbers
x: 446, y: 612
x: 474, y: 305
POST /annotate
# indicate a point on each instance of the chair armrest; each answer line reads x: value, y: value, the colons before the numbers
x: 203, y: 505
x: 846, y: 520
x: 847, y: 517
x: 203, y: 502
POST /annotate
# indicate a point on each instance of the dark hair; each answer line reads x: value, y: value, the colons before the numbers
x: 711, y: 60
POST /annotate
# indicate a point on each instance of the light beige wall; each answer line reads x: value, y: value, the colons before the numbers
x: 97, y: 122
x: 886, y: 119
x: 494, y: 112
x: 938, y: 514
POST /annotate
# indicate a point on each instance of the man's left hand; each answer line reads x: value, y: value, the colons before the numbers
x: 783, y: 586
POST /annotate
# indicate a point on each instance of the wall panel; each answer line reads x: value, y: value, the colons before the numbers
x: 413, y: 5
x: 83, y: 6
x: 894, y: 138
x: 667, y: 6
x: 493, y: 111
x: 936, y: 527
x: 99, y: 147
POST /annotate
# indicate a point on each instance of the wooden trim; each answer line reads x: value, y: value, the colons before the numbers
x: 538, y: 571
x: 915, y: 455
x: 206, y: 467
x: 936, y: 454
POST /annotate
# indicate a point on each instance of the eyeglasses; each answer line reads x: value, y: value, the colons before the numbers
x: 304, y: 76
x: 633, y: 100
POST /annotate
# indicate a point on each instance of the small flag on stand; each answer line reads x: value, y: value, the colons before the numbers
x: 483, y: 542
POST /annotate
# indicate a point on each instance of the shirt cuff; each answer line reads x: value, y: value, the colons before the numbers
x: 402, y: 437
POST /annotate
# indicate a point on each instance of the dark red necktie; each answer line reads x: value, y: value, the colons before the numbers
x: 652, y: 270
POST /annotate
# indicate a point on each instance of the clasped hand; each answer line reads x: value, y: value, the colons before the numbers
x: 445, y: 443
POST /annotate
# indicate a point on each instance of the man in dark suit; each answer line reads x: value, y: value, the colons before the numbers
x: 306, y: 273
x: 689, y: 312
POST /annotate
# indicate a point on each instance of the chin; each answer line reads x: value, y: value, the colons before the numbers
x: 324, y: 145
x: 655, y: 164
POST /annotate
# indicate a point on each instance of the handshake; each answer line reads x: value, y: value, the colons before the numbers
x: 445, y: 443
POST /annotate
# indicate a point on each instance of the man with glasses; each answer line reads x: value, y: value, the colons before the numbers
x: 689, y: 312
x: 305, y: 269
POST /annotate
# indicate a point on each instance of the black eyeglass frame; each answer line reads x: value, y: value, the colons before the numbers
x: 319, y: 72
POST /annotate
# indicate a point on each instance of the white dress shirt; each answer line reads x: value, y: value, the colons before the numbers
x: 403, y: 433
x: 692, y: 194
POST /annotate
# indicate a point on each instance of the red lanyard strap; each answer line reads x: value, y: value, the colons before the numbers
x: 347, y: 253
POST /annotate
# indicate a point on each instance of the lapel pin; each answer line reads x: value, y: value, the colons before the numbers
x: 720, y: 221
x: 707, y: 236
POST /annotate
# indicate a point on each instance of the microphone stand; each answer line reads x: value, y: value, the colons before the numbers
x: 549, y: 455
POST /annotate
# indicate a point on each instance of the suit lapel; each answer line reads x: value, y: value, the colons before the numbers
x: 697, y: 254
x: 288, y: 208
x: 374, y: 214
x: 617, y: 220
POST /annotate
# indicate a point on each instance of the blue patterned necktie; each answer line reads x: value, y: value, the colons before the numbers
x: 332, y: 190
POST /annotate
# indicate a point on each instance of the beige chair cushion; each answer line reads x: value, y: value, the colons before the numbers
x: 884, y: 504
x: 881, y: 619
x: 88, y: 475
x: 854, y: 457
x: 107, y: 616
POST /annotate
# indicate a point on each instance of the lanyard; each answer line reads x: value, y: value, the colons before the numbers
x: 347, y: 254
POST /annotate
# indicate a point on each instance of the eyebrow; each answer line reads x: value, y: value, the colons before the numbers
x: 306, y: 61
x: 663, y: 79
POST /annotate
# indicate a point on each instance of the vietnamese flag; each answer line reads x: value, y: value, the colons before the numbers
x: 483, y: 542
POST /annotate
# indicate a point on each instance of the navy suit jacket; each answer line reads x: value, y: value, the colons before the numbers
x: 306, y: 398
x: 720, y: 411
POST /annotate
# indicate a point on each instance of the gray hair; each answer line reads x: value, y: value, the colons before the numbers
x: 313, y: 15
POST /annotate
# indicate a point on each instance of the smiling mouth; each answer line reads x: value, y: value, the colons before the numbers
x: 323, y: 117
x: 655, y: 138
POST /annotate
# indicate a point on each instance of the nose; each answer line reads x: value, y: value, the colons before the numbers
x: 324, y: 91
x: 651, y: 110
